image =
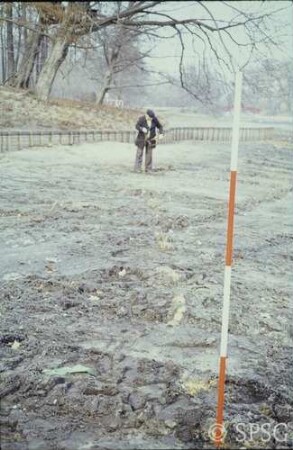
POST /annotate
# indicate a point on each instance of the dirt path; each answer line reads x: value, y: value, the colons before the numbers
x: 117, y: 277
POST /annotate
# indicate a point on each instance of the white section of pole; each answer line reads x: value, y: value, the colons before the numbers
x: 236, y: 120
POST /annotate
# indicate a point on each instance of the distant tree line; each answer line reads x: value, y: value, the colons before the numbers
x: 112, y: 42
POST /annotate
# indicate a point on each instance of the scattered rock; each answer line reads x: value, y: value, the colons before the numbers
x: 170, y: 424
x: 177, y: 310
x: 137, y: 400
x: 15, y: 345
x: 63, y: 371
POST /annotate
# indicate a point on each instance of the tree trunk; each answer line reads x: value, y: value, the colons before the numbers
x: 42, y: 56
x: 23, y: 75
x: 24, y: 18
x: 10, y: 46
x: 111, y: 60
x: 51, y: 66
x: 3, y: 59
x: 18, y: 48
x: 105, y: 88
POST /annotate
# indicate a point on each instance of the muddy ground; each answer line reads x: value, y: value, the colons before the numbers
x: 111, y: 297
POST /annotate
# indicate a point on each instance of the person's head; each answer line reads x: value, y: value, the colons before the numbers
x: 150, y: 113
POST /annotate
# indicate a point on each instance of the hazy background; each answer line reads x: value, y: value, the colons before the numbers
x: 163, y: 60
x: 150, y: 64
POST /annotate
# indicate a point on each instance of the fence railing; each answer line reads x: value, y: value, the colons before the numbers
x: 18, y: 140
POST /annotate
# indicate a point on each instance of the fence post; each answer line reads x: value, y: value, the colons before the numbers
x: 215, y: 134
x: 19, y: 140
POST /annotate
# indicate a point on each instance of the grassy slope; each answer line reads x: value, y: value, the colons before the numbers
x: 21, y: 110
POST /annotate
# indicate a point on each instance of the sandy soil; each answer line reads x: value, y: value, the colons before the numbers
x: 112, y: 291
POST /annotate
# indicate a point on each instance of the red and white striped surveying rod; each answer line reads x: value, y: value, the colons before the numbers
x: 219, y: 428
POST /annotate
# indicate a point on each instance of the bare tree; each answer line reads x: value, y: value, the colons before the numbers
x: 10, y: 44
x: 3, y: 45
x: 74, y: 20
x: 121, y: 53
x: 112, y: 44
x: 33, y: 28
x: 269, y: 85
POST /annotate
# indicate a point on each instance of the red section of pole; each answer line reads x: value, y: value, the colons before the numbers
x: 219, y: 430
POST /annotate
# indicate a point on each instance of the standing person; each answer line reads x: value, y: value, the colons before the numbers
x: 146, y: 126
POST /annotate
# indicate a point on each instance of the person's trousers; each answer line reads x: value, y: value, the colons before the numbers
x: 148, y: 157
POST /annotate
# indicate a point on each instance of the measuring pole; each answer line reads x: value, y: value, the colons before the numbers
x: 219, y: 427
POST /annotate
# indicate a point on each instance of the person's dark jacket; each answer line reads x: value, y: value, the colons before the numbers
x: 141, y: 137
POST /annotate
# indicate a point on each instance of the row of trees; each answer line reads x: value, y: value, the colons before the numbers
x: 35, y: 42
x: 112, y: 41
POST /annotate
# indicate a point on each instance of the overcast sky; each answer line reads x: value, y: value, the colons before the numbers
x: 167, y: 53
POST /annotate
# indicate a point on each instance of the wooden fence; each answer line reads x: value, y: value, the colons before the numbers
x: 18, y: 140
